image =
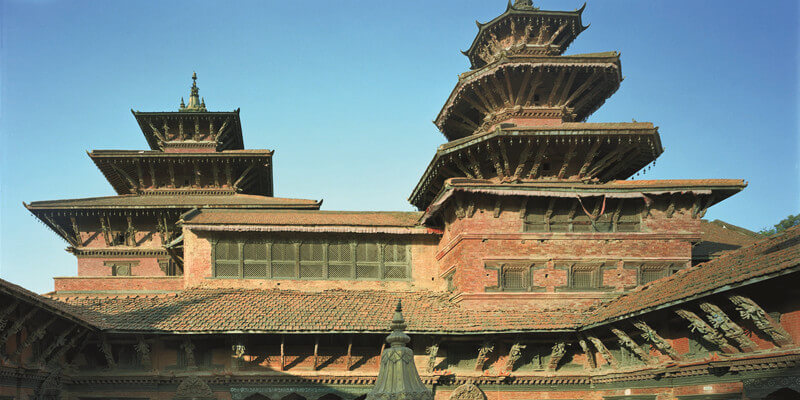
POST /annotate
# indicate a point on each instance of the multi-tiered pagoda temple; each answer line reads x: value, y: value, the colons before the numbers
x: 535, y: 267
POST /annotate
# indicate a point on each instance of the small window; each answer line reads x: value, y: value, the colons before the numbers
x: 515, y: 277
x: 226, y: 254
x: 585, y: 276
x: 283, y: 260
x: 121, y: 268
x: 368, y: 260
x: 255, y: 260
x: 340, y: 261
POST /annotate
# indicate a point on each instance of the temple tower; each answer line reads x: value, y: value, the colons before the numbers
x: 534, y: 201
x: 131, y: 241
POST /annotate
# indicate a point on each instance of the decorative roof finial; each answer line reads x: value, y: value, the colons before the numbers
x: 398, y: 378
x: 194, y: 98
x: 524, y: 5
x: 182, y: 104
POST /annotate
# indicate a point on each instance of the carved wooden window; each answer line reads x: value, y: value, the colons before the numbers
x: 368, y: 260
x: 311, y: 259
x: 169, y: 267
x: 255, y: 260
x: 284, y: 260
x: 449, y: 280
x: 649, y: 271
x: 585, y: 276
x: 341, y: 260
x: 226, y: 259
x: 515, y: 277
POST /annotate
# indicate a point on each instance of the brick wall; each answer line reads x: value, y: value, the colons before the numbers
x: 118, y: 283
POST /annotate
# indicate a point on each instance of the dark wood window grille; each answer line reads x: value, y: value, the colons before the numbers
x: 585, y: 276
x: 567, y: 215
x: 312, y: 259
x: 652, y: 270
x: 515, y: 277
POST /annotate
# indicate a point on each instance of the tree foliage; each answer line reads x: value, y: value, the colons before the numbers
x: 786, y: 223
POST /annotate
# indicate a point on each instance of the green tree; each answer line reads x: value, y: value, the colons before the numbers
x: 786, y: 223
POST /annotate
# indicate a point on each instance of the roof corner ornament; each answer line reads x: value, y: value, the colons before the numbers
x: 398, y: 378
x: 195, y: 104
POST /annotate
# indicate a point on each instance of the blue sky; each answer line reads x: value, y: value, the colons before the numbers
x: 345, y: 91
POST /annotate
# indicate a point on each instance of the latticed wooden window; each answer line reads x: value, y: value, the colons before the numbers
x: 395, y: 259
x: 284, y: 260
x: 368, y: 260
x: 559, y: 219
x: 585, y: 276
x: 256, y: 262
x: 535, y: 211
x: 630, y: 217
x: 312, y: 260
x: 651, y: 271
x: 340, y: 261
x: 515, y: 277
x: 226, y: 259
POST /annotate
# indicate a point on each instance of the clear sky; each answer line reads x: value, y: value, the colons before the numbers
x: 344, y: 91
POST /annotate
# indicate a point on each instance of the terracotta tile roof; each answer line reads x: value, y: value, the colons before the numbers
x: 223, y: 310
x: 305, y: 217
x: 773, y: 255
x: 719, y: 236
x: 45, y: 303
x: 175, y: 201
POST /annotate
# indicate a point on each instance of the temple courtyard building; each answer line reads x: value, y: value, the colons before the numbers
x: 534, y: 268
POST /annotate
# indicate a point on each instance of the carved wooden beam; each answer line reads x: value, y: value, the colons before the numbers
x: 130, y: 232
x: 432, y: 351
x: 6, y: 312
x: 514, y: 354
x: 482, y: 96
x: 627, y: 342
x: 316, y: 353
x: 477, y: 104
x: 696, y: 324
x: 589, y: 96
x: 504, y: 156
x: 143, y: 350
x: 537, y: 161
x: 228, y: 174
x: 586, y: 350
x: 523, y: 208
x: 105, y: 347
x: 211, y: 128
x: 498, y: 208
x: 530, y: 99
x: 283, y: 353
x: 525, y: 78
x: 459, y: 209
x: 470, y: 209
x: 623, y: 163
x: 244, y: 174
x: 188, y: 350
x: 749, y: 310
x: 555, y: 34
x: 483, y: 354
x: 153, y: 180
x: 32, y: 337
x: 549, y: 213
x: 607, y: 160
x: 58, y: 342
x: 58, y: 356
x: 709, y: 202
x: 104, y: 227
x: 475, y: 165
x: 348, y: 361
x: 567, y: 87
x: 494, y: 154
x: 68, y: 237
x: 181, y: 133
x: 470, y: 124
x: 197, y: 174
x: 140, y: 174
x: 603, y: 350
x: 171, y: 170
x: 523, y: 160
x: 133, y: 184
x: 556, y: 354
x: 222, y: 130
x: 196, y: 135
x: 460, y: 165
x: 158, y: 134
x: 567, y: 159
x: 671, y: 206
x: 505, y: 98
x: 507, y: 75
x: 719, y: 320
x: 556, y: 86
x: 76, y: 230
x: 595, y: 76
x: 651, y: 336
x: 589, y: 157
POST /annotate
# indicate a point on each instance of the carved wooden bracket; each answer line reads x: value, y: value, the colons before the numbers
x: 105, y: 347
x: 721, y: 321
x: 627, y: 342
x: 696, y: 324
x: 432, y: 351
x: 483, y: 355
x: 17, y: 326
x: 651, y: 336
x: 514, y: 354
x: 586, y: 350
x: 556, y: 354
x: 143, y: 350
x: 188, y: 348
x: 598, y: 344
x: 748, y: 309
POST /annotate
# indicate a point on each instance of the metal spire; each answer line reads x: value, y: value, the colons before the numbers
x: 194, y: 98
x: 398, y: 378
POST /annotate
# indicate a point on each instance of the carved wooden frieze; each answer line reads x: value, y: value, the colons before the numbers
x: 749, y: 310
x: 588, y: 351
x: 719, y: 320
x: 483, y: 355
x: 193, y: 388
x: 657, y: 341
x: 598, y: 344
